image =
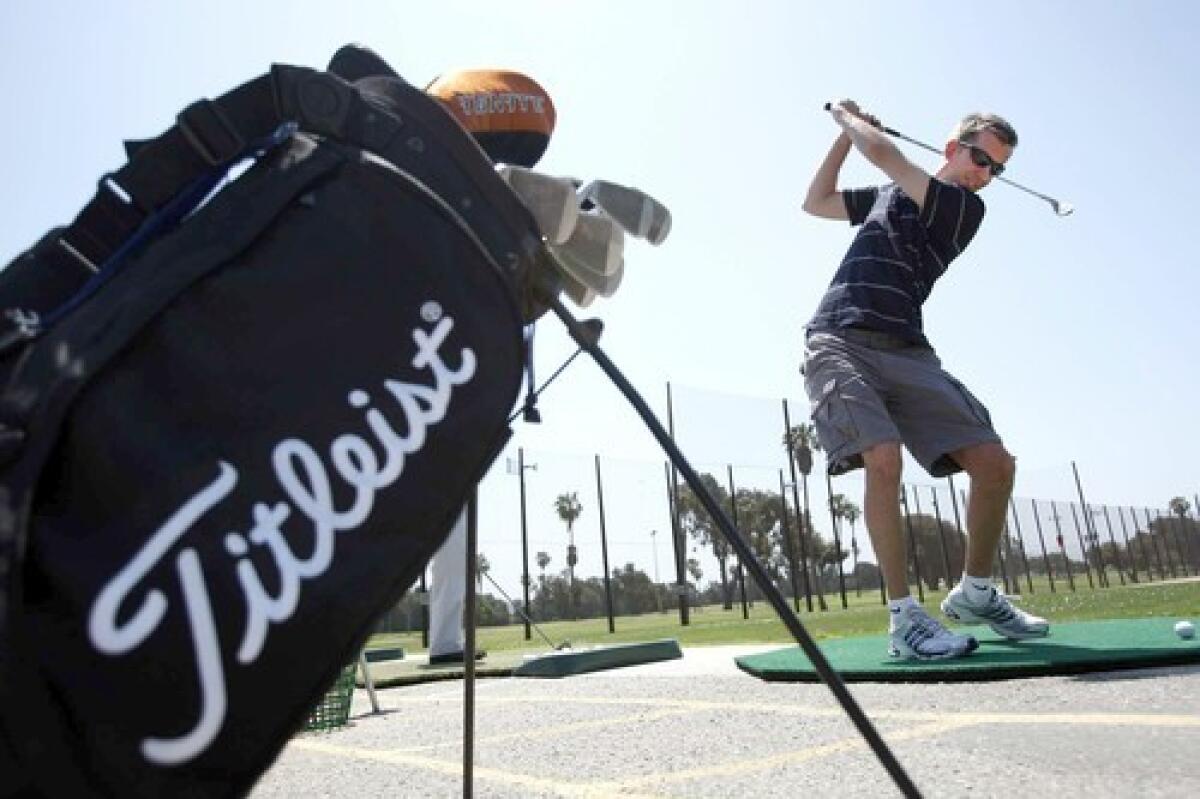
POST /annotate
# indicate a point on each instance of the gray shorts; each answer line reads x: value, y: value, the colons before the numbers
x: 866, y: 388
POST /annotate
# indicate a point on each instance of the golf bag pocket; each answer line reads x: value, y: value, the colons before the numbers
x: 235, y: 424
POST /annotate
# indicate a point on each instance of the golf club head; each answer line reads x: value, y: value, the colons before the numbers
x: 1062, y: 209
x: 578, y: 293
x: 636, y: 212
x: 551, y: 200
x: 605, y: 285
x: 596, y: 246
x: 574, y: 270
x: 612, y: 282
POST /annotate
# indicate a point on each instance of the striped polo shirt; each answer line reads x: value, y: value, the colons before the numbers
x: 896, y: 256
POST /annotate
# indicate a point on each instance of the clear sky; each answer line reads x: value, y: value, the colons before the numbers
x: 1079, y: 333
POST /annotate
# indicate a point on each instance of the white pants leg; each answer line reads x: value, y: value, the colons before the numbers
x: 448, y: 592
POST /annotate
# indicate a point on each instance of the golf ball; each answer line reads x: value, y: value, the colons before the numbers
x: 1185, y: 629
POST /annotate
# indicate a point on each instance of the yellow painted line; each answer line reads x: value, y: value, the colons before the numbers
x: 699, y: 705
x: 689, y: 704
x: 453, y: 769
x: 549, y: 731
x: 1084, y: 719
x: 631, y: 787
x: 929, y: 724
x: 778, y: 760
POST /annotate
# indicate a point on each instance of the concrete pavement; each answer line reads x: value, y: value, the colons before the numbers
x: 699, y: 726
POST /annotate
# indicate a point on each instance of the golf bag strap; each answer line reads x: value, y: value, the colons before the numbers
x: 211, y: 135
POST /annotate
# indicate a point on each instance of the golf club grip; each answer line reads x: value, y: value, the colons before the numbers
x: 884, y: 128
x: 828, y: 675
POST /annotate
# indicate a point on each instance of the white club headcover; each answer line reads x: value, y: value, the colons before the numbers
x: 580, y: 294
x: 592, y: 259
x: 584, y: 227
x: 578, y: 271
x: 597, y: 244
x: 613, y: 282
x: 637, y: 212
x: 552, y: 201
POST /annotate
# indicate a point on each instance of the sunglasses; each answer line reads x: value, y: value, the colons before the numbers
x: 979, y: 157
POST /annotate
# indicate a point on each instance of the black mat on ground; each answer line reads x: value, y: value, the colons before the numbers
x: 1071, y: 648
x: 381, y: 655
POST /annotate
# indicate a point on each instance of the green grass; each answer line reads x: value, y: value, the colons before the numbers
x: 711, y: 625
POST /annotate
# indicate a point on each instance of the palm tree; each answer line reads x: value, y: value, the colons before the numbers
x: 1180, y: 507
x: 543, y: 560
x: 801, y: 441
x: 569, y: 508
x: 837, y: 509
x: 851, y: 513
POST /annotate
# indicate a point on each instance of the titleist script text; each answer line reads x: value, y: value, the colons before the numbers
x: 500, y: 103
x: 306, y: 509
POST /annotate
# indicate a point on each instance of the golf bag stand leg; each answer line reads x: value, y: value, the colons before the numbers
x: 830, y: 677
x: 469, y: 646
x: 367, y: 681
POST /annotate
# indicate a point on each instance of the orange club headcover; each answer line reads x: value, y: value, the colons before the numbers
x: 508, y: 113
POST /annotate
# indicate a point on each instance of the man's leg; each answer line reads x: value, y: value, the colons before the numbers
x: 975, y: 600
x: 882, y: 512
x: 856, y: 428
x: 991, y: 470
x: 912, y: 632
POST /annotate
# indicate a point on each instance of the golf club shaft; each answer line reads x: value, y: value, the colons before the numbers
x: 1058, y: 208
x: 744, y: 553
x: 532, y: 623
x: 538, y: 392
x: 936, y: 151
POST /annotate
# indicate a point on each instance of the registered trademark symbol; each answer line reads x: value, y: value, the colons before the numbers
x: 431, y: 312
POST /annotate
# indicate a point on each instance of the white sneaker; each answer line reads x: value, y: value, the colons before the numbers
x: 915, y: 635
x: 997, y: 612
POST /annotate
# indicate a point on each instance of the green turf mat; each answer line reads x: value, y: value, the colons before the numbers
x: 1071, y: 648
x: 563, y: 664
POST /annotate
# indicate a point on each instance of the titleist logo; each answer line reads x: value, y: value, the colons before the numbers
x: 127, y: 612
x: 500, y: 103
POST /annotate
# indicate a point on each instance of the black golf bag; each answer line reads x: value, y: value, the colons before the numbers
x: 237, y: 416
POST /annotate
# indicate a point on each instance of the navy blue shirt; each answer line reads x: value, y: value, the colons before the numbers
x: 897, y: 255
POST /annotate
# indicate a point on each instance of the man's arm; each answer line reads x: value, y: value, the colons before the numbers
x: 877, y: 148
x: 823, y: 198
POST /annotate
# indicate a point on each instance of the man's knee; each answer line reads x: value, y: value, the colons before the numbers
x: 988, y: 463
x: 883, y: 463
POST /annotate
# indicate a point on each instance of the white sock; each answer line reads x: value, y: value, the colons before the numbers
x: 977, y: 590
x: 901, y: 605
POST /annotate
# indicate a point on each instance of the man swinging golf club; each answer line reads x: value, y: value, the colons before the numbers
x: 875, y: 382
